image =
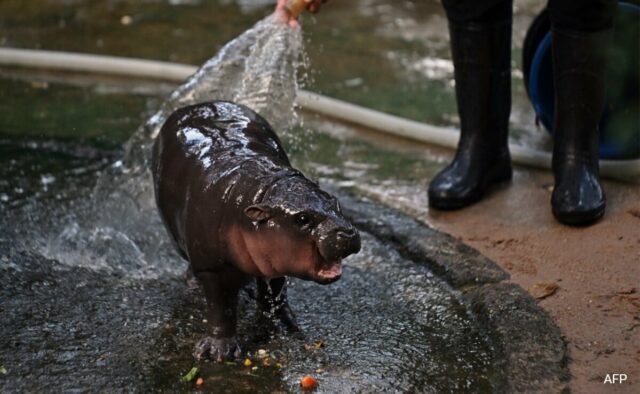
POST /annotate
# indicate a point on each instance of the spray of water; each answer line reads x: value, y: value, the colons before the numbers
x: 257, y: 69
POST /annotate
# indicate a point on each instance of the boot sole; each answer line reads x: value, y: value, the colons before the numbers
x: 579, y: 218
x: 450, y: 204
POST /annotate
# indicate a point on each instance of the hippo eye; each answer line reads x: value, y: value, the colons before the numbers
x: 303, y: 219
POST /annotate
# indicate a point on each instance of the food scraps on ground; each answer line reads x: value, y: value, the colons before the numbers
x: 200, y: 381
x: 308, y: 383
x: 316, y: 345
x: 190, y: 375
x: 247, y: 362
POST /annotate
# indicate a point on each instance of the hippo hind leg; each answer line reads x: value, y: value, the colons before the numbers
x: 273, y: 303
x: 221, y: 291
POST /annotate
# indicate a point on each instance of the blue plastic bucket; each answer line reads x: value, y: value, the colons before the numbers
x: 620, y: 122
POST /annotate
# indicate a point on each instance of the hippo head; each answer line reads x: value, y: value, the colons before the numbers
x: 299, y: 230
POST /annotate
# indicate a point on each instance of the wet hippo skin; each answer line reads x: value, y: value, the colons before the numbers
x: 236, y: 209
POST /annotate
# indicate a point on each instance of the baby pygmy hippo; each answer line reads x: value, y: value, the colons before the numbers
x: 236, y: 209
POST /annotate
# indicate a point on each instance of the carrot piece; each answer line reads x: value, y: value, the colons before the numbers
x: 308, y: 383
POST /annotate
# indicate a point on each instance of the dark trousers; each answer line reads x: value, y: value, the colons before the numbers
x: 580, y: 15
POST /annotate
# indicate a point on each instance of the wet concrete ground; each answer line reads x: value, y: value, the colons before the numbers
x: 76, y: 330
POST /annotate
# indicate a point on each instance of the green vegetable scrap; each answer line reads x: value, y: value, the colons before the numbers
x: 190, y: 375
x: 3, y: 370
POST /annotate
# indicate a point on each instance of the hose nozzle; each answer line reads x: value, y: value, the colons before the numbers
x: 295, y: 7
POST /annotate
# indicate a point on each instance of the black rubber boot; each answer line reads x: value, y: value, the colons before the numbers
x: 579, y: 63
x: 482, y: 61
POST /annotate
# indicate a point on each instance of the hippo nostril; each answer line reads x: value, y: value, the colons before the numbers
x: 345, y: 234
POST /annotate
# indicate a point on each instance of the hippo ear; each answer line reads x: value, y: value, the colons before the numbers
x: 258, y: 213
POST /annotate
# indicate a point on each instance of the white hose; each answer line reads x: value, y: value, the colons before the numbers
x: 628, y: 170
x: 95, y: 64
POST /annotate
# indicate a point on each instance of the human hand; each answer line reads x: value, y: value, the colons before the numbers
x: 288, y: 10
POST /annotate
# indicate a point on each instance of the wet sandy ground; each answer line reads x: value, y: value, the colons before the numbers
x: 596, y: 269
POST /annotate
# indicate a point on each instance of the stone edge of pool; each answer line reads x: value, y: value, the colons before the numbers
x: 529, y: 348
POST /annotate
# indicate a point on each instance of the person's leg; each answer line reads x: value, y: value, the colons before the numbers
x: 480, y: 33
x: 581, y: 34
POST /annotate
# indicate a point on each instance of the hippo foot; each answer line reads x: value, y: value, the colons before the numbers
x: 217, y: 349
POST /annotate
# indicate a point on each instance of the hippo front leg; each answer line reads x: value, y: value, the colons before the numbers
x: 272, y: 301
x: 222, y: 297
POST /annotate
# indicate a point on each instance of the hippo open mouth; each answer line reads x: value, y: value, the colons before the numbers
x: 328, y: 271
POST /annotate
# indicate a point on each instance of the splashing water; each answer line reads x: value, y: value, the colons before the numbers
x: 257, y: 69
